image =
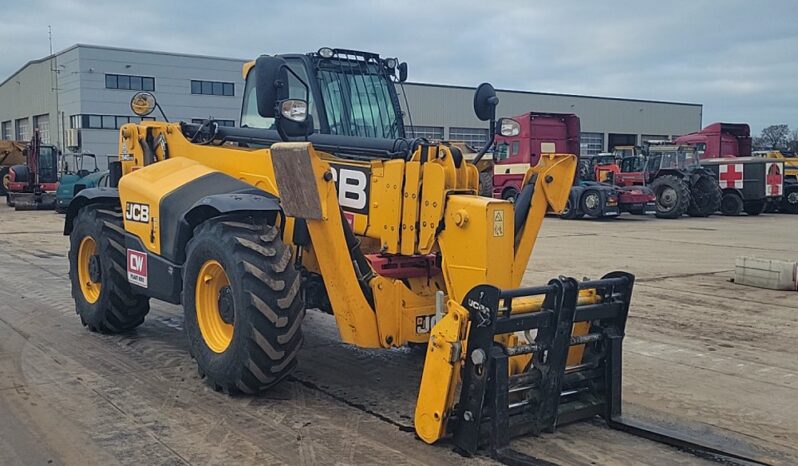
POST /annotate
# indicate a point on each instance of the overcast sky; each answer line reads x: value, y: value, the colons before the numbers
x: 737, y: 57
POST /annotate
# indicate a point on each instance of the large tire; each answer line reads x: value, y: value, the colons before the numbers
x: 486, y: 184
x: 731, y: 204
x: 789, y: 203
x: 673, y: 196
x: 243, y: 306
x: 4, y: 180
x: 570, y: 212
x: 754, y: 208
x: 103, y: 297
x: 510, y: 194
x: 705, y: 195
x: 592, y: 203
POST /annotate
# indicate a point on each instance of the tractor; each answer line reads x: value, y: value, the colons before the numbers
x: 248, y: 227
x: 82, y: 172
x: 674, y: 173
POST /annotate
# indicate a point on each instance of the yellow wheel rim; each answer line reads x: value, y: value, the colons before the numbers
x: 212, y: 281
x: 89, y: 287
x: 6, y: 181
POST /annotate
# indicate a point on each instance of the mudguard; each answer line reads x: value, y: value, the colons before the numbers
x: 89, y: 196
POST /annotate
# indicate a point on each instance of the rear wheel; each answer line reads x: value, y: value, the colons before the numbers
x: 510, y: 194
x: 673, y: 196
x: 591, y: 203
x: 486, y: 184
x: 705, y: 195
x: 755, y: 207
x: 103, y: 297
x: 731, y: 204
x: 242, y: 303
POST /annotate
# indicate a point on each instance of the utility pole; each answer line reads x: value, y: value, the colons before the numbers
x: 54, y: 85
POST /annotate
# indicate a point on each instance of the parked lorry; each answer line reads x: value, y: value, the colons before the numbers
x: 544, y: 133
x: 720, y: 140
x: 748, y: 184
x: 789, y: 198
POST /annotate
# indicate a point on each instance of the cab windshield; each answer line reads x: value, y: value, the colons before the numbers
x: 356, y: 95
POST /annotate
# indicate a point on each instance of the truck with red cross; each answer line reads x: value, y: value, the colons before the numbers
x: 749, y: 184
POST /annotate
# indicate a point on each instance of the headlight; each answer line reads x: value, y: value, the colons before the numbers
x: 391, y: 62
x: 326, y: 52
x: 294, y: 110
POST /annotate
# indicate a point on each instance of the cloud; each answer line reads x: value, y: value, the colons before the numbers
x: 738, y: 57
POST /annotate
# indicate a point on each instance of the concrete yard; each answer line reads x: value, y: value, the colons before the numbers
x: 699, y: 351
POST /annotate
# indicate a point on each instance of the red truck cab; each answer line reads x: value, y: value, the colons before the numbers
x: 720, y: 140
x: 541, y: 133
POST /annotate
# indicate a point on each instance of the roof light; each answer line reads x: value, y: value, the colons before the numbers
x: 391, y: 62
x: 326, y: 52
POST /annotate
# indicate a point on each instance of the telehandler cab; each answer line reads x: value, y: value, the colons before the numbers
x: 319, y: 201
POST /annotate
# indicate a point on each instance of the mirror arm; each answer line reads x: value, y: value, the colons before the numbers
x: 491, y: 140
x: 158, y: 106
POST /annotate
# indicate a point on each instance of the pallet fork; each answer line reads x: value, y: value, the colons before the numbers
x: 495, y: 406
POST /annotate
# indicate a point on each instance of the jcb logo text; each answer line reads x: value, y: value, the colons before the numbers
x: 137, y: 212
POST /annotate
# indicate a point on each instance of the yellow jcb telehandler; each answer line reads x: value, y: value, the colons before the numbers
x: 319, y: 201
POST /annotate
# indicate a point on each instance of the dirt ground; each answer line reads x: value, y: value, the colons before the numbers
x: 700, y: 351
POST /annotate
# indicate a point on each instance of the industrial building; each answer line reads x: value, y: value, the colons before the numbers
x: 78, y: 98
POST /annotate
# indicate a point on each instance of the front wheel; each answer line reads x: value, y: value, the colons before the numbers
x: 570, y: 212
x: 104, y: 299
x: 5, y: 179
x: 789, y: 203
x: 242, y: 303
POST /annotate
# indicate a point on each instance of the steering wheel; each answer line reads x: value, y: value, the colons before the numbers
x: 199, y: 136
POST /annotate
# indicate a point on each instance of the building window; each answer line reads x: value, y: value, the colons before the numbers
x: 212, y: 88
x: 476, y: 137
x: 21, y: 129
x: 591, y: 143
x: 133, y: 83
x: 42, y: 123
x: 199, y: 121
x: 653, y: 137
x: 104, y: 121
x: 432, y: 133
x: 6, y: 133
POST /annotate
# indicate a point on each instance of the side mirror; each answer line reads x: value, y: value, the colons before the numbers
x: 271, y: 84
x: 142, y: 103
x: 509, y: 127
x: 402, y: 72
x: 485, y: 102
